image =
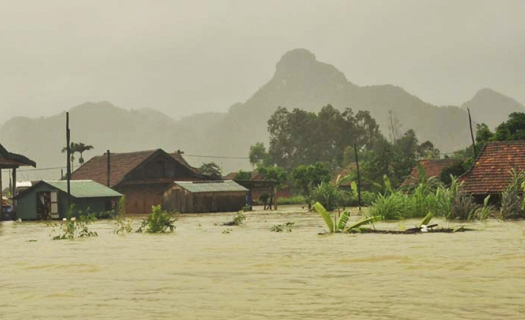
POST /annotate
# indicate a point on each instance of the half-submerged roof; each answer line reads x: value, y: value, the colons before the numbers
x: 433, y: 168
x: 490, y: 174
x: 120, y: 165
x: 211, y: 186
x: 13, y: 160
x: 79, y: 188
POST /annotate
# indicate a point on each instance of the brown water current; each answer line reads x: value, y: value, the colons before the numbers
x: 199, y: 272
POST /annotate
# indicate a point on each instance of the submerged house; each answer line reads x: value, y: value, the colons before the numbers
x: 433, y: 168
x: 257, y: 186
x: 207, y: 196
x: 490, y: 174
x: 13, y: 161
x: 142, y: 177
x: 48, y: 199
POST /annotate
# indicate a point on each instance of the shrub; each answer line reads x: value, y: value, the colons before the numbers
x: 237, y: 220
x: 158, y: 221
x: 285, y: 227
x: 328, y: 195
x: 512, y: 199
x: 72, y: 227
x: 291, y: 200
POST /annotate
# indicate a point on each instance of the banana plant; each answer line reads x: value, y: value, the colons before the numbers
x: 335, y: 225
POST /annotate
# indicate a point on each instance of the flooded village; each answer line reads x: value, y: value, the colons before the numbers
x: 225, y: 159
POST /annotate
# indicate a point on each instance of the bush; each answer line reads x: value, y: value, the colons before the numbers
x: 72, y: 227
x: 158, y: 221
x: 291, y: 200
x: 237, y: 220
x: 328, y: 195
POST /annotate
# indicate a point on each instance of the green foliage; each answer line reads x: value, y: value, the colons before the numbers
x: 512, y: 200
x: 512, y: 129
x: 360, y: 223
x: 273, y: 173
x: 426, y: 220
x: 328, y: 195
x: 158, y: 221
x: 211, y: 169
x: 340, y: 225
x: 303, y: 138
x: 456, y: 169
x: 319, y: 208
x: 285, y: 227
x: 291, y: 200
x: 243, y: 175
x: 259, y: 156
x: 72, y: 227
x: 123, y: 225
x: 307, y: 177
x: 237, y: 219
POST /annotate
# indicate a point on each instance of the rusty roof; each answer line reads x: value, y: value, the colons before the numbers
x: 13, y: 160
x: 433, y: 168
x: 121, y: 164
x: 490, y: 174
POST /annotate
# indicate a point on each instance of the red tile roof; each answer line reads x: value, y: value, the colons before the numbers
x: 432, y: 167
x: 10, y: 160
x: 490, y: 173
x: 121, y: 164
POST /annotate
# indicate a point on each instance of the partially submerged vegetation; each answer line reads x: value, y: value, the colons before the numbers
x: 429, y: 195
x: 285, y: 227
x: 71, y: 227
x: 158, y: 221
x: 237, y: 219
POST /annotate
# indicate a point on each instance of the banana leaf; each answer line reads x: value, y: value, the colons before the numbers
x: 343, y: 220
x: 325, y: 215
x: 359, y: 223
x: 426, y: 220
x: 354, y: 189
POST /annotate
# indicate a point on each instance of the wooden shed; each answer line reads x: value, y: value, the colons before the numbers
x: 141, y: 176
x: 205, y: 196
x: 48, y: 199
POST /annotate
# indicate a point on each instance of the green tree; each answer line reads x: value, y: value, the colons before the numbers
x: 308, y: 177
x: 211, y: 169
x: 258, y: 155
x: 242, y: 175
x: 483, y: 133
x: 273, y: 173
x: 512, y: 129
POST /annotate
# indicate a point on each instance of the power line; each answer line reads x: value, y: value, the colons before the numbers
x: 217, y: 157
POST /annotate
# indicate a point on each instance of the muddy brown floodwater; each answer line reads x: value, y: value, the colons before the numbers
x: 198, y: 272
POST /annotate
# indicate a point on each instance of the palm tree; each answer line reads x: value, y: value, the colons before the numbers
x: 77, y: 147
x: 72, y: 150
x: 81, y: 148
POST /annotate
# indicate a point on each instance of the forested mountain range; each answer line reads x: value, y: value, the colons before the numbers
x: 300, y: 81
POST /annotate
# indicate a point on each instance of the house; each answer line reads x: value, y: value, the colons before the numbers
x: 142, y: 176
x: 205, y: 196
x: 433, y: 168
x: 257, y: 185
x: 490, y: 174
x: 48, y: 199
x: 12, y: 161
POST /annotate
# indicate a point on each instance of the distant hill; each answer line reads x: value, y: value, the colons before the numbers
x: 491, y: 107
x: 299, y: 81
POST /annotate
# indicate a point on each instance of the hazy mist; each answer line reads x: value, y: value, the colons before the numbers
x: 183, y: 57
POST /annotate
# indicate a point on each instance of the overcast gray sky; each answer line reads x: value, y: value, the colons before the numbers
x: 183, y: 57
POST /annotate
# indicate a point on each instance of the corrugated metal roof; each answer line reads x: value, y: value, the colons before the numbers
x: 219, y: 186
x: 84, y: 188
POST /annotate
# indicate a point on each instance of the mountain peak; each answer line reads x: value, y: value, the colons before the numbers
x: 491, y: 107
